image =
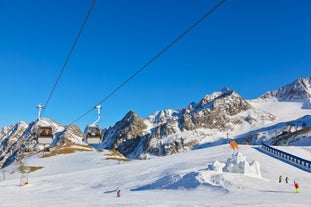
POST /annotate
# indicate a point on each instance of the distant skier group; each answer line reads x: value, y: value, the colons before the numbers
x: 280, y: 179
x: 296, y: 185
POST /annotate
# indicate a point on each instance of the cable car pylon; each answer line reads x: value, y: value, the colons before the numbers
x: 40, y: 107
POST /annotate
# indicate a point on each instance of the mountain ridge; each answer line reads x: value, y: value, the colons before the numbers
x: 168, y: 131
x: 299, y: 90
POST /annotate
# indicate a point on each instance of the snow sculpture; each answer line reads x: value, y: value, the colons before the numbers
x: 238, y: 164
x: 217, y: 166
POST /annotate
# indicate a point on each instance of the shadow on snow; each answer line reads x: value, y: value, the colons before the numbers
x: 178, y: 182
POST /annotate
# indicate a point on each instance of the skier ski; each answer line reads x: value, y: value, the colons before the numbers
x: 296, y: 186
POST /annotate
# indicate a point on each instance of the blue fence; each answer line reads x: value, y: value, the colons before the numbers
x: 297, y: 161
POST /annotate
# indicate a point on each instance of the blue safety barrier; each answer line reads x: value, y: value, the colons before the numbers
x: 292, y: 159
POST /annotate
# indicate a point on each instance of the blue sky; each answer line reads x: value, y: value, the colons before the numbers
x: 248, y: 46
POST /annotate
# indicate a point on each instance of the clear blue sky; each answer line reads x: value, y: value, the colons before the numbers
x: 249, y: 46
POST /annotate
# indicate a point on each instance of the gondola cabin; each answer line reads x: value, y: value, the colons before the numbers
x: 93, y: 134
x: 44, y: 135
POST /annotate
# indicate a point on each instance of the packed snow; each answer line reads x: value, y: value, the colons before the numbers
x: 285, y: 111
x: 184, y: 179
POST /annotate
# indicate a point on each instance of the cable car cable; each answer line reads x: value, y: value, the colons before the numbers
x: 153, y: 59
x: 69, y: 54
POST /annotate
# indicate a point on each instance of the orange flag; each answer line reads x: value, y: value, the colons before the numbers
x: 234, y: 145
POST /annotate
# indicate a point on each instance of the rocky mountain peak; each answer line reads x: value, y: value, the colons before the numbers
x: 163, y: 116
x: 130, y: 118
x: 72, y: 133
x: 219, y: 111
x: 130, y: 127
x: 225, y: 101
x: 205, y: 102
x: 297, y: 90
x: 134, y: 125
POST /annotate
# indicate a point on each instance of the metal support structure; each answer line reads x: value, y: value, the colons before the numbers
x: 40, y: 108
x: 43, y: 150
x: 98, y: 113
x: 24, y: 179
x: 3, y: 175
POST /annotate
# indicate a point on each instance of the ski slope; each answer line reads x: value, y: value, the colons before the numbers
x: 284, y: 111
x: 88, y: 179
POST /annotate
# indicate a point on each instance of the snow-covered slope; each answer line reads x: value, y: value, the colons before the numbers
x: 299, y: 90
x: 87, y: 179
x: 284, y: 111
x: 293, y: 124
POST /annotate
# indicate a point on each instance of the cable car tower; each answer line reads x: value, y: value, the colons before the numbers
x: 43, y: 134
x: 92, y: 133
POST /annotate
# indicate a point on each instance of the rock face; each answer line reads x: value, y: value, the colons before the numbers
x: 219, y: 111
x: 71, y: 133
x: 126, y: 135
x: 12, y: 140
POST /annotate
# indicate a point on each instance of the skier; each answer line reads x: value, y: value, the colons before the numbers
x: 118, y: 192
x: 296, y: 187
x: 286, y: 179
x: 280, y: 179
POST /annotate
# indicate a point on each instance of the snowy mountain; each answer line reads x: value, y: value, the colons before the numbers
x: 211, y: 120
x: 170, y: 131
x: 295, y: 132
x: 276, y: 117
x: 299, y: 90
x: 18, y: 138
x: 291, y: 105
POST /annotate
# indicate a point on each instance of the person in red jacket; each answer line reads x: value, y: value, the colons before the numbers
x: 296, y: 186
